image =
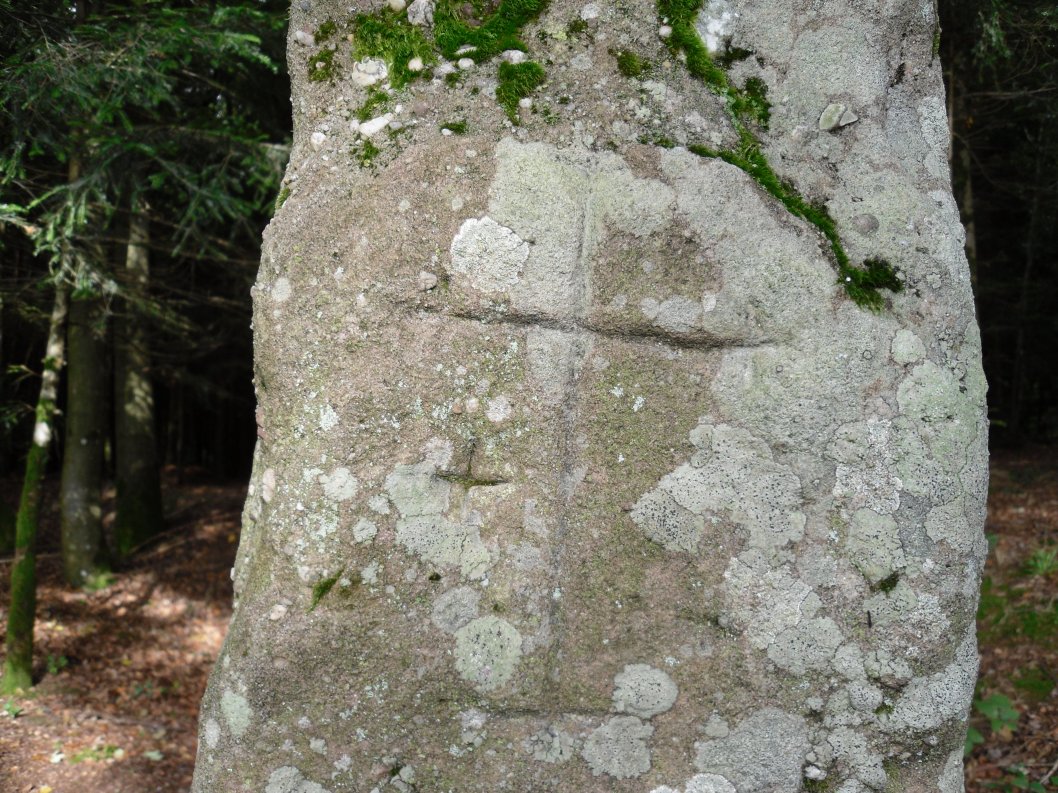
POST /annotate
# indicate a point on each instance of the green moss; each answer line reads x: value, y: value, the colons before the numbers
x: 753, y: 101
x: 657, y: 140
x: 576, y: 28
x: 517, y: 81
x: 550, y: 116
x: 375, y: 105
x: 936, y: 40
x: 750, y: 105
x: 388, y: 36
x: 326, y: 30
x: 884, y: 709
x: 861, y: 284
x: 281, y: 199
x: 452, y: 79
x: 818, y: 785
x: 888, y: 584
x: 455, y: 127
x: 732, y: 55
x: 468, y: 482
x: 321, y: 65
x: 629, y: 64
x: 367, y: 153
x: 321, y: 588
x: 496, y: 32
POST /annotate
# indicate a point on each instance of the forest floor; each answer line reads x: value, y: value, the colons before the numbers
x: 121, y: 671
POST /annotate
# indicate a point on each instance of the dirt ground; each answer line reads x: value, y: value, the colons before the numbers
x: 122, y: 670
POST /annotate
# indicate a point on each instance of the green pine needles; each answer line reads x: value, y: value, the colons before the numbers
x: 748, y: 106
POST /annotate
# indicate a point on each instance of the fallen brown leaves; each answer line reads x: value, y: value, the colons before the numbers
x: 1019, y: 651
x: 121, y: 671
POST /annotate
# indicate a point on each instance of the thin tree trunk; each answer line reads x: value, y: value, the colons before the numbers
x: 83, y: 552
x: 19, y: 645
x: 7, y: 516
x: 139, y: 496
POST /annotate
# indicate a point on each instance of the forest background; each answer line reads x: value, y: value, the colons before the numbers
x: 141, y: 149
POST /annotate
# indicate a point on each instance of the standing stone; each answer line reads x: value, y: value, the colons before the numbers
x: 651, y: 489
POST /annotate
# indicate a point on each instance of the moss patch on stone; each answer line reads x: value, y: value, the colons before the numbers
x: 322, y: 587
x: 281, y: 199
x: 455, y: 127
x: 321, y: 65
x: 376, y: 103
x: 750, y: 105
x: 629, y: 64
x: 388, y: 36
x: 888, y: 584
x: 496, y: 32
x: 517, y: 81
x: 325, y: 31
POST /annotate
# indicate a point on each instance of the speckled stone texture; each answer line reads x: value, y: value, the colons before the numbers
x: 578, y: 470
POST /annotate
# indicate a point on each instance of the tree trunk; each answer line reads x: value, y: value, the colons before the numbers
x: 83, y: 552
x: 580, y: 469
x: 7, y: 515
x: 139, y: 495
x: 18, y: 664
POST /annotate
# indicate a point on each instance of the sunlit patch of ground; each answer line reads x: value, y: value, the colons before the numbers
x: 122, y: 670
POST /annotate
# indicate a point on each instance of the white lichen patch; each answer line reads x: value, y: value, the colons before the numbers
x: 364, y: 530
x: 643, y: 691
x: 339, y: 484
x: 368, y: 72
x: 619, y: 748
x: 676, y: 314
x: 874, y: 546
x: 765, y: 752
x: 289, y: 779
x: 498, y: 409
x: 567, y: 202
x: 853, y: 749
x: 931, y: 398
x: 715, y: 23
x: 551, y: 745
x: 732, y: 475
x: 865, y: 474
x: 928, y: 702
x: 236, y: 711
x: 281, y: 290
x: 805, y: 647
x: 948, y: 524
x: 211, y: 733
x: 491, y: 256
x: 328, y: 418
x: 422, y: 499
x: 455, y: 608
x: 700, y: 783
x: 779, y: 613
x: 907, y: 348
x: 487, y: 652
